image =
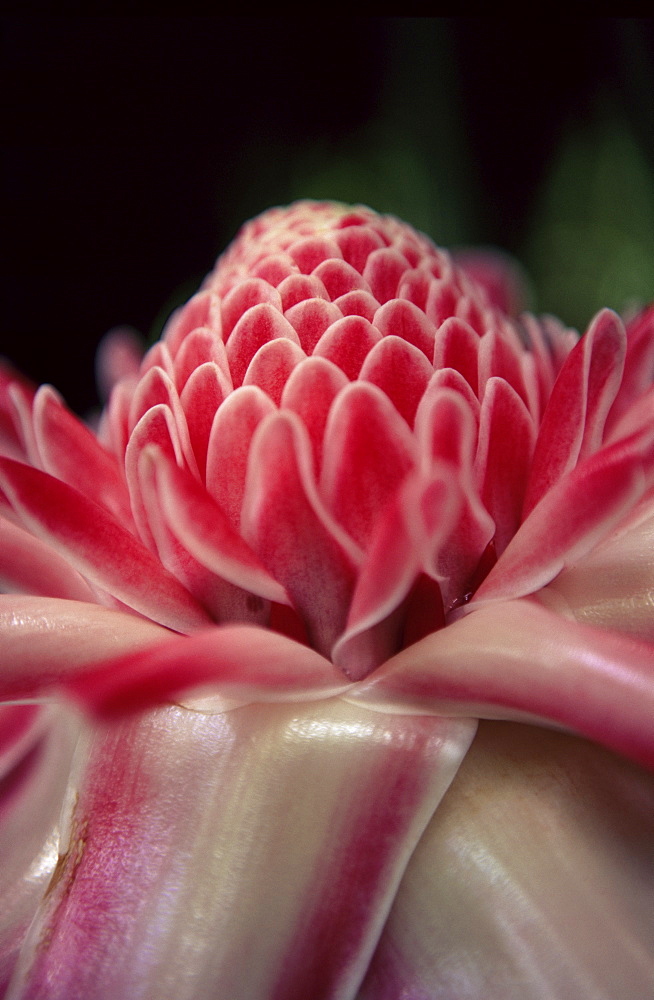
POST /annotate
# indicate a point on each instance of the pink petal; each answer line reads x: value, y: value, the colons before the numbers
x: 310, y: 391
x: 347, y: 343
x: 639, y: 365
x: 155, y: 390
x: 573, y: 422
x: 233, y: 664
x: 203, y: 529
x: 203, y: 393
x: 21, y: 399
x: 275, y: 269
x: 356, y: 243
x: 310, y: 318
x: 114, y: 426
x: 298, y: 287
x: 98, y: 546
x: 202, y: 310
x: 446, y: 427
x: 158, y: 428
x: 272, y: 365
x: 11, y: 438
x: 223, y: 600
x: 403, y: 319
x: 506, y: 442
x: 43, y: 641
x: 308, y: 253
x: 290, y: 530
x: 339, y: 278
x: 576, y: 514
x: 273, y: 833
x: 118, y: 356
x: 534, y: 879
x: 456, y: 345
x: 383, y: 271
x: 519, y: 661
x: 246, y: 295
x: 406, y: 540
x: 401, y: 371
x: 258, y: 326
x: 198, y: 348
x: 501, y: 357
x: 229, y: 447
x: 70, y: 452
x: 368, y: 450
x: 29, y: 566
x: 358, y: 303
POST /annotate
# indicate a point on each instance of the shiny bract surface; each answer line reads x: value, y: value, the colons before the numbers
x: 347, y: 506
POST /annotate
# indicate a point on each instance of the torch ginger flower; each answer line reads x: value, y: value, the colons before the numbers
x: 345, y: 508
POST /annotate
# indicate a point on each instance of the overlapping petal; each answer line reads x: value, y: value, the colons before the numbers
x: 345, y: 506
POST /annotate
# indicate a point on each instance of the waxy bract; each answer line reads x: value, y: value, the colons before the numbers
x: 346, y: 506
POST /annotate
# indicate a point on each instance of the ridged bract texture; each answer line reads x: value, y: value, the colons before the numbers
x: 355, y: 409
x: 346, y: 439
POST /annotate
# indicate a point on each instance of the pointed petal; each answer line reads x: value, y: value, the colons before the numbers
x: 44, y: 640
x: 401, y: 318
x: 580, y: 511
x: 246, y: 295
x: 291, y: 531
x: 347, y: 343
x: 205, y: 389
x: 399, y: 370
x: 201, y: 526
x: 358, y: 303
x: 299, y: 287
x: 223, y: 600
x: 229, y: 447
x: 534, y: 879
x: 456, y: 346
x: 310, y: 251
x: 383, y: 271
x: 639, y: 365
x: 310, y: 392
x: 340, y: 278
x: 202, y: 310
x: 368, y: 450
x: 99, y: 547
x: 501, y: 357
x: 520, y: 661
x: 29, y: 566
x: 504, y: 451
x: 272, y: 365
x: 11, y: 438
x: 234, y: 664
x: 573, y: 421
x: 406, y: 540
x: 256, y: 327
x: 270, y: 832
x: 310, y: 318
x: 198, y: 348
x: 70, y: 452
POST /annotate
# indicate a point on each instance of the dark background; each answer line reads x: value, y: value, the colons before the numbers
x: 133, y: 148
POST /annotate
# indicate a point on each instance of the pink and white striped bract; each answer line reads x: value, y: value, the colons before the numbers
x: 359, y: 505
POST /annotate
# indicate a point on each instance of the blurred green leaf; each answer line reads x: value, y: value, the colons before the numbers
x: 592, y: 242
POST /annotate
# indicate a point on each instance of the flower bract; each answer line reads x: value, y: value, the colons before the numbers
x: 348, y: 505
